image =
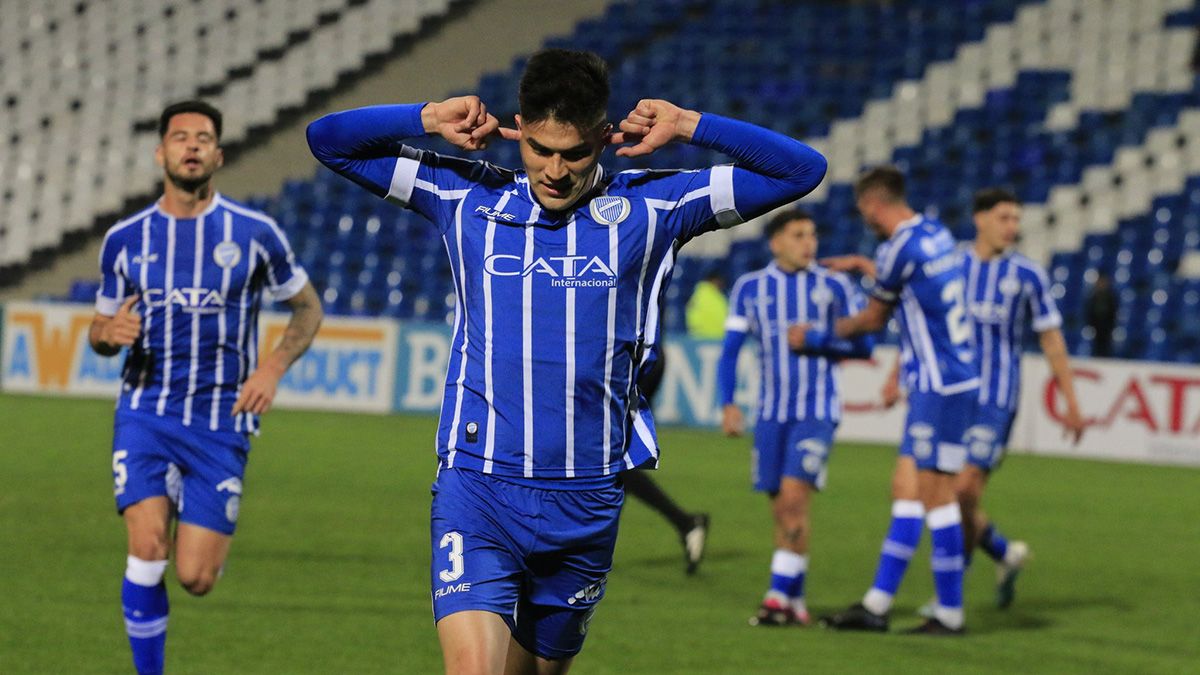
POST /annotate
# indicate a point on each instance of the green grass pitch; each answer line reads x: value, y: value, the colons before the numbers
x: 328, y: 573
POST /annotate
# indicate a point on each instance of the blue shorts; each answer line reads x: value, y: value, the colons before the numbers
x: 935, y: 432
x: 798, y: 449
x: 989, y: 436
x: 198, y: 469
x: 538, y: 557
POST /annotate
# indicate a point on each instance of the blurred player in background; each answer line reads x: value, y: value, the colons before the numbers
x: 559, y: 269
x: 799, y: 399
x: 1007, y: 294
x: 917, y: 271
x: 691, y: 527
x: 182, y: 283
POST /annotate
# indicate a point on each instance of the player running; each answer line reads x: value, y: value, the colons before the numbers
x: 559, y: 271
x: 917, y: 271
x: 182, y: 285
x: 799, y: 403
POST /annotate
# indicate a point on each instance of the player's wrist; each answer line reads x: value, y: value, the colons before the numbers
x: 429, y: 118
x: 685, y: 128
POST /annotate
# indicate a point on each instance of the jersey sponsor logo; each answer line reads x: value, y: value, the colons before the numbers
x: 609, y: 210
x: 198, y: 300
x: 227, y: 254
x: 495, y: 214
x: 989, y: 312
x: 922, y: 435
x: 464, y: 587
x: 589, y: 593
x: 139, y: 259
x: 941, y: 264
x: 812, y: 446
x: 565, y: 271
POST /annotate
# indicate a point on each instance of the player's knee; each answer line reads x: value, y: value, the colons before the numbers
x: 197, y: 582
x: 149, y: 545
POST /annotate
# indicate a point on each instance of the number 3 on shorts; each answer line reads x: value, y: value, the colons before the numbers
x: 453, y: 540
x: 120, y: 473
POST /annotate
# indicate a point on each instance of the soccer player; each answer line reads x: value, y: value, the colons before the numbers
x: 559, y: 270
x: 917, y: 271
x: 1007, y: 294
x: 691, y: 527
x: 799, y: 401
x: 182, y: 284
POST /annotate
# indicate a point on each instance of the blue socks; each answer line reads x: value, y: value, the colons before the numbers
x: 787, y: 577
x: 144, y: 599
x: 993, y: 543
x: 902, y: 539
x: 945, y: 528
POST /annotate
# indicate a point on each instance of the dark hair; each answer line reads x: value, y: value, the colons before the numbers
x: 568, y: 86
x: 776, y: 224
x: 189, y: 107
x: 889, y: 179
x: 988, y: 198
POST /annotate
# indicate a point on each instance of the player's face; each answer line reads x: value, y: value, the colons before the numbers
x: 869, y: 205
x: 999, y: 226
x: 560, y: 160
x: 188, y: 153
x: 795, y: 245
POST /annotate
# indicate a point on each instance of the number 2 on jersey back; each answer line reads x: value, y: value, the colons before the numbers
x: 956, y: 316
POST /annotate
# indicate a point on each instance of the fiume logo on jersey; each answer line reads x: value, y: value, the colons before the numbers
x: 227, y: 254
x: 564, y: 271
x: 609, y: 210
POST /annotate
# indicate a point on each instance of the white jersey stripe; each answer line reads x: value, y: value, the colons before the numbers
x: 197, y: 277
x: 168, y: 286
x: 461, y: 319
x: 768, y: 356
x: 527, y: 340
x: 781, y: 314
x: 802, y: 316
x: 569, y: 340
x: 610, y: 339
x: 148, y: 316
x: 489, y: 247
x: 222, y: 329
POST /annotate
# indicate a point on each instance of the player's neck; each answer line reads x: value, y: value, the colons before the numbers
x: 985, y: 252
x: 897, y: 216
x: 790, y: 269
x: 182, y: 203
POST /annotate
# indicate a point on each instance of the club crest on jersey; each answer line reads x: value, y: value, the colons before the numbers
x: 609, y: 210
x: 227, y: 254
x: 822, y: 296
x: 1010, y: 286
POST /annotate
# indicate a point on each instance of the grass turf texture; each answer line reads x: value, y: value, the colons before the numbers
x: 329, y: 569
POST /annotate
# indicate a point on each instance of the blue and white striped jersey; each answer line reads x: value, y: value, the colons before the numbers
x: 200, y: 282
x: 920, y: 270
x: 557, y: 311
x: 793, y: 385
x: 1006, y: 294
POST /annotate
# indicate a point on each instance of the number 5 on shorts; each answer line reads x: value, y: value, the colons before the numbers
x: 453, y: 540
x: 120, y: 473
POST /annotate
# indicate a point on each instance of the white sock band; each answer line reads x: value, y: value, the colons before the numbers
x: 145, y: 572
x: 945, y: 515
x: 877, y: 601
x: 908, y: 508
x: 950, y: 618
x: 788, y: 563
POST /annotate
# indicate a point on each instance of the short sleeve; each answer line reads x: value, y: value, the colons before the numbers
x: 739, y: 299
x: 1041, y: 302
x: 114, y: 276
x: 893, y: 268
x: 285, y: 276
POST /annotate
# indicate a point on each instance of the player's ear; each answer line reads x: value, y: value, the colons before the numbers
x: 220, y: 158
x: 517, y: 118
x: 158, y: 155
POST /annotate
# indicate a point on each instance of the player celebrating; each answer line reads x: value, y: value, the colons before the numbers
x: 918, y: 270
x: 1005, y: 292
x: 799, y: 401
x: 182, y: 284
x: 559, y: 270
